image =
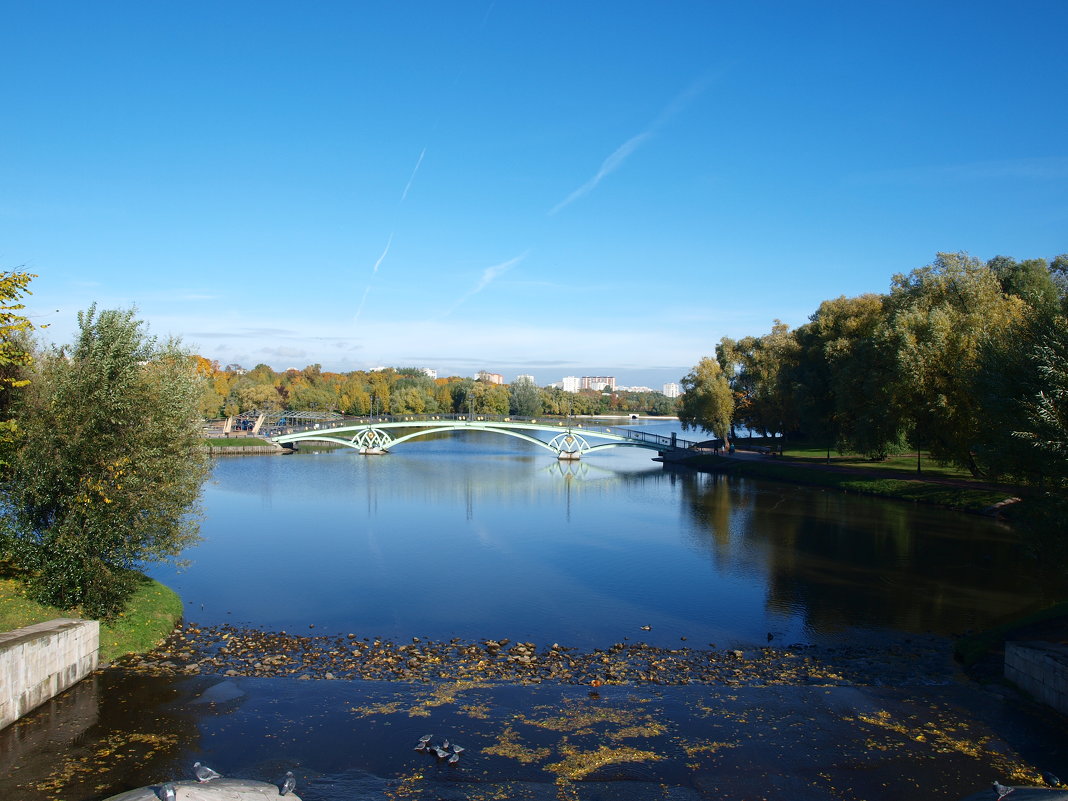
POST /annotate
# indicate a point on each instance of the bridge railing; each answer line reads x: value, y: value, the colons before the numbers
x: 562, y: 422
x: 651, y: 438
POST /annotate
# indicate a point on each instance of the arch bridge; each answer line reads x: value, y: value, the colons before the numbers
x: 565, y: 439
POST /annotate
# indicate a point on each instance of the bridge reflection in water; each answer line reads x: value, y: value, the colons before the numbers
x: 564, y: 438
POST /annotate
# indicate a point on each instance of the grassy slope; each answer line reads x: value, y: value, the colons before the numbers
x: 150, y: 616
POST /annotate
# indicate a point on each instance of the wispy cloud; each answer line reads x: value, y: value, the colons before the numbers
x: 411, y: 178
x: 489, y: 275
x: 625, y: 150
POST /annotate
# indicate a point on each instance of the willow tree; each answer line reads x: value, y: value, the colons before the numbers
x: 939, y: 319
x: 109, y: 463
x: 707, y: 401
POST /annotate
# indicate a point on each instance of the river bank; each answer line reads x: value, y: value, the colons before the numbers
x: 150, y: 616
x: 951, y: 493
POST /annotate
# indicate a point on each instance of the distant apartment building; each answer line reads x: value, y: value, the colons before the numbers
x: 519, y: 379
x: 672, y: 390
x: 429, y: 373
x: 489, y: 378
x: 635, y: 389
x: 599, y: 382
x: 571, y: 383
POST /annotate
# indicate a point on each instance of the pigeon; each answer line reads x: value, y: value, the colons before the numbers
x: 454, y: 759
x: 1050, y: 779
x: 204, y: 773
x: 425, y: 738
x: 441, y: 752
x: 445, y: 745
x: 457, y: 748
x: 1001, y: 790
x: 167, y: 792
x: 289, y: 785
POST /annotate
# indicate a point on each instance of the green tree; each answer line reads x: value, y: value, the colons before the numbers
x: 707, y: 401
x: 940, y: 316
x: 524, y: 399
x: 109, y: 464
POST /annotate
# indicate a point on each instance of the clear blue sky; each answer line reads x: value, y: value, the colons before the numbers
x: 555, y: 188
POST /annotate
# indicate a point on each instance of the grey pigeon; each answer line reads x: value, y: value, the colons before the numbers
x: 1050, y: 779
x: 442, y: 753
x: 204, y: 773
x: 167, y: 792
x: 457, y: 748
x: 445, y: 744
x: 289, y: 785
x: 1001, y: 790
x: 425, y: 738
x: 454, y: 758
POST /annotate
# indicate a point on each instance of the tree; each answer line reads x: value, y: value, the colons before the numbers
x: 940, y: 317
x: 1046, y: 422
x: 525, y: 399
x: 109, y: 464
x: 15, y: 356
x: 707, y: 401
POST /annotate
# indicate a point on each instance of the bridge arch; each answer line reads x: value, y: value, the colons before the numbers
x: 568, y: 443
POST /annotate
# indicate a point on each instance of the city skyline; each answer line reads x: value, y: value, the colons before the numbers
x: 604, y: 188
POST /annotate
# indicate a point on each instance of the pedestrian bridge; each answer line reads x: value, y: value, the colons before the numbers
x: 565, y: 438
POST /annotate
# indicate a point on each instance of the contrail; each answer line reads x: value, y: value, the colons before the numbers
x: 384, y: 252
x: 623, y: 152
x: 374, y: 272
x: 489, y: 275
x: 608, y: 166
x: 415, y: 169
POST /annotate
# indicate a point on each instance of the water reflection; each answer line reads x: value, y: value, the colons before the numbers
x: 844, y: 563
x: 492, y: 538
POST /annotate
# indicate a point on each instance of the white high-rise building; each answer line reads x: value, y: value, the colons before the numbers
x: 519, y: 379
x: 672, y: 390
x: 599, y: 382
x: 571, y: 383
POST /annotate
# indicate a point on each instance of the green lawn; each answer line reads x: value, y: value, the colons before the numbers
x: 900, y: 463
x: 150, y: 616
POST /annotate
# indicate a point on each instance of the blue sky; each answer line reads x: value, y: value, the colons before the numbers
x: 555, y: 188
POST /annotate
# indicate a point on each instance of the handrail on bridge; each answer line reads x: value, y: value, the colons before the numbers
x: 567, y: 422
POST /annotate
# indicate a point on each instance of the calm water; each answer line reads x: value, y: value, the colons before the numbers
x: 478, y: 536
x: 488, y: 538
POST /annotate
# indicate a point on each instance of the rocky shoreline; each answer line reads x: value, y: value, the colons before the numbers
x: 233, y: 651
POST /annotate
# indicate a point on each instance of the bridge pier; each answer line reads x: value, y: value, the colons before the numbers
x: 569, y: 456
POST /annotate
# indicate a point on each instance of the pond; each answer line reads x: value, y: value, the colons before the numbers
x: 476, y: 535
x: 831, y: 616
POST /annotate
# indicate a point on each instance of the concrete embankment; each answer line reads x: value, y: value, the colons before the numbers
x: 38, y: 662
x: 216, y: 450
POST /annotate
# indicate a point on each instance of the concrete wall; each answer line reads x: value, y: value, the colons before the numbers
x: 41, y: 661
x: 1041, y: 668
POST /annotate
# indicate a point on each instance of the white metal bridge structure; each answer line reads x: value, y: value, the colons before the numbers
x: 567, y: 439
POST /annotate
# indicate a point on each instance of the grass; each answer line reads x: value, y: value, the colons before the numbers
x: 970, y: 499
x: 904, y: 463
x: 150, y: 616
